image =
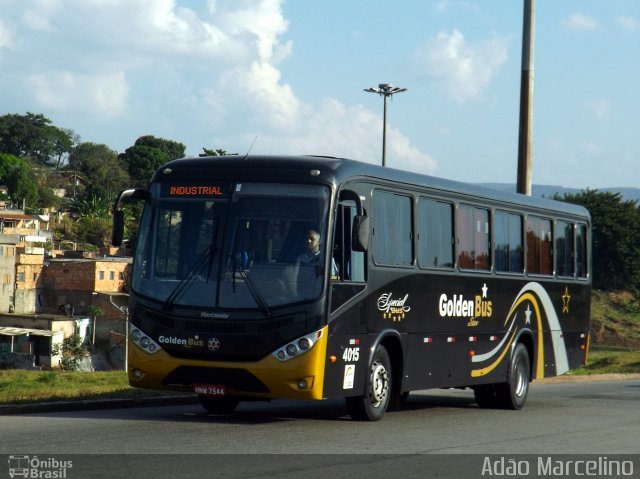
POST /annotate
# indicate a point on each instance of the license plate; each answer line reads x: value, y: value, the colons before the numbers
x: 210, y: 389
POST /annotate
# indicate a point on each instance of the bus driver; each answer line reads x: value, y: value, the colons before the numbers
x: 312, y: 255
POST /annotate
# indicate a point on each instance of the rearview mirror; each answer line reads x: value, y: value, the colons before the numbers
x: 360, y: 233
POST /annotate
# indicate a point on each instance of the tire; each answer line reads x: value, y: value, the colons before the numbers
x: 513, y: 394
x: 486, y: 396
x: 219, y: 405
x: 372, y: 406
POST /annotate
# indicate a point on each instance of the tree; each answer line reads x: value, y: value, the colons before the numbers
x: 7, y: 163
x: 94, y: 230
x: 615, y: 238
x: 72, y: 351
x: 33, y: 137
x: 208, y: 152
x: 101, y: 167
x: 93, y: 206
x: 147, y: 155
x: 22, y: 186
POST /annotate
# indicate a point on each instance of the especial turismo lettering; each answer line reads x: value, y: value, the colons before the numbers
x: 394, y: 309
x: 195, y: 191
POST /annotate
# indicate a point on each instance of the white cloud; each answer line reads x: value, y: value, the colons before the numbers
x: 465, y: 70
x: 263, y: 21
x: 581, y: 22
x: 155, y: 67
x: 264, y: 99
x: 630, y: 24
x: 333, y: 129
x: 98, y: 94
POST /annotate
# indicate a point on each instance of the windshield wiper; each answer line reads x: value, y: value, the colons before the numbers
x: 255, y: 292
x: 188, y: 278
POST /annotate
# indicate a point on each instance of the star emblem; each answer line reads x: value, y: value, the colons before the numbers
x: 566, y: 297
x: 484, y: 290
x: 527, y: 315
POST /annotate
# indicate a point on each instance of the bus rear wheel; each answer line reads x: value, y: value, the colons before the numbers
x: 218, y: 405
x: 513, y: 393
x: 372, y: 406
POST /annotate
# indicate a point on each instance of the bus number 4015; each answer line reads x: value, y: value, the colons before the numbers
x: 351, y: 355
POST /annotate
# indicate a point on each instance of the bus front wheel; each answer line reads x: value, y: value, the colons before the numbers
x: 372, y: 406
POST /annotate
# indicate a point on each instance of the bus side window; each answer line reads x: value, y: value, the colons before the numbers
x: 350, y: 264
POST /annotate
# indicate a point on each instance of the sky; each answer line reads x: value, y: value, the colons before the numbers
x: 288, y: 77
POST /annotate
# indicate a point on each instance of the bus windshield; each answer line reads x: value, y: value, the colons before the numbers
x: 237, y: 246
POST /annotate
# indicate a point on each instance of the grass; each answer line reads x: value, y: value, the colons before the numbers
x: 615, y: 319
x: 610, y: 361
x: 21, y: 387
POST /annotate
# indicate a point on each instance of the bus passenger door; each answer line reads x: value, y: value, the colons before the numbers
x: 349, y: 274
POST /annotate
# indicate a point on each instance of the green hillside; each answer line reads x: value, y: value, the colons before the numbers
x: 615, y: 320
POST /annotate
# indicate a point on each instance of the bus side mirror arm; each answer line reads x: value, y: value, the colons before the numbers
x: 360, y: 233
x: 117, y: 233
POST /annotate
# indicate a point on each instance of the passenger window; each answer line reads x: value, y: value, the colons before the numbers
x: 435, y: 233
x: 539, y: 246
x: 508, y: 249
x: 582, y: 259
x: 564, y: 249
x: 473, y: 237
x: 392, y: 229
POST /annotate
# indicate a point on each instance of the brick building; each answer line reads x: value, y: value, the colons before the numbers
x: 69, y: 284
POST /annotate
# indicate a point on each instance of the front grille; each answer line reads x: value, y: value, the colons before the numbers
x: 238, y: 379
x: 218, y: 326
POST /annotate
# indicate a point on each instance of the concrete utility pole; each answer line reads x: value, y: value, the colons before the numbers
x: 386, y: 90
x: 525, y: 137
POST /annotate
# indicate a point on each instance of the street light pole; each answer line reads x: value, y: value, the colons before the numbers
x: 385, y: 90
x: 525, y: 133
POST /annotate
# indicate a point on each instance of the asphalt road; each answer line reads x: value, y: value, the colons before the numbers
x: 599, y: 419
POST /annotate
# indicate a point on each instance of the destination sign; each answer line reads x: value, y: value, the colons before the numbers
x: 195, y: 191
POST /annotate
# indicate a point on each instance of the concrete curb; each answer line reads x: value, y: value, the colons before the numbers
x: 88, y: 405
x: 569, y: 378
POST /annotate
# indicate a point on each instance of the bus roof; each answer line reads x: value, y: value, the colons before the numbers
x: 338, y: 170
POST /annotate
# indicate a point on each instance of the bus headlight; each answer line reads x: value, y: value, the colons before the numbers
x: 297, y: 347
x: 143, y: 341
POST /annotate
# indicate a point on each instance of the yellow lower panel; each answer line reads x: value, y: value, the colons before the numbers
x: 280, y: 377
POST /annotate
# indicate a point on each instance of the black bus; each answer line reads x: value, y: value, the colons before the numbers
x: 311, y: 277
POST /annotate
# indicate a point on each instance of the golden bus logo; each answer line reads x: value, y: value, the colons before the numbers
x: 394, y: 309
x: 460, y: 306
